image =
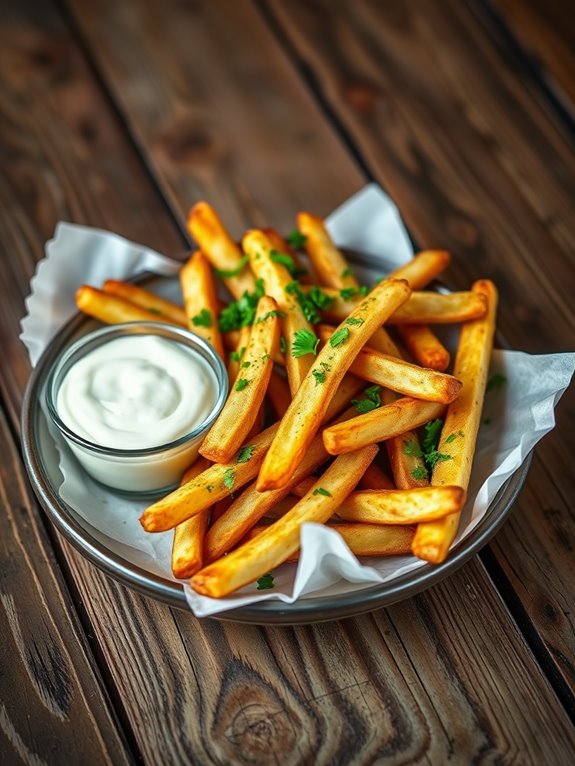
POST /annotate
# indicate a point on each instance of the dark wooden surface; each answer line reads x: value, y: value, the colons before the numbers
x: 121, y: 115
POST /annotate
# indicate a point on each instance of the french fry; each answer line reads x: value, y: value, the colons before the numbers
x: 422, y: 268
x: 278, y: 243
x: 424, y: 346
x: 281, y: 539
x: 146, y: 300
x: 200, y: 299
x: 188, y: 545
x: 432, y: 539
x: 279, y: 394
x: 406, y: 461
x: 399, y: 375
x: 302, y: 487
x: 328, y: 262
x: 382, y: 342
x: 401, y: 506
x: 112, y: 309
x: 245, y: 399
x: 383, y: 423
x: 236, y: 355
x: 375, y: 478
x: 303, y: 418
x: 220, y: 479
x: 276, y: 279
x: 219, y: 248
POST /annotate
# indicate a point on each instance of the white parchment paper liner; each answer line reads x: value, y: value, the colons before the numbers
x: 516, y: 415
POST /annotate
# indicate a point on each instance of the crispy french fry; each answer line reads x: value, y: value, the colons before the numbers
x: 219, y: 248
x: 188, y: 545
x: 432, y: 539
x: 200, y: 299
x: 389, y: 420
x: 237, y: 354
x: 146, y: 300
x: 422, y: 268
x: 375, y: 478
x: 281, y: 539
x: 402, y: 506
x: 279, y: 393
x: 406, y: 461
x: 302, y: 487
x: 381, y: 341
x: 112, y: 309
x: 276, y: 279
x: 278, y: 243
x: 399, y: 375
x: 424, y: 346
x: 328, y: 262
x: 421, y: 308
x: 303, y: 418
x: 245, y: 399
x: 220, y: 479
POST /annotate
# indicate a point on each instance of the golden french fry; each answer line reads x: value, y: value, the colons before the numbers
x: 402, y: 506
x: 246, y: 397
x: 459, y: 433
x: 302, y: 487
x: 112, y: 309
x: 406, y: 461
x: 220, y: 479
x: 383, y: 423
x: 188, y: 545
x: 399, y: 375
x: 303, y: 418
x: 219, y: 248
x: 329, y: 264
x: 279, y: 394
x: 424, y: 346
x: 200, y: 299
x: 146, y: 300
x: 281, y: 539
x: 237, y: 354
x: 375, y: 478
x: 278, y: 243
x: 422, y: 268
x: 276, y: 279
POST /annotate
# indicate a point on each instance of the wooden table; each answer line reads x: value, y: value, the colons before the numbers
x: 121, y: 115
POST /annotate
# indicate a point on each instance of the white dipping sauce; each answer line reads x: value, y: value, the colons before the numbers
x: 137, y: 392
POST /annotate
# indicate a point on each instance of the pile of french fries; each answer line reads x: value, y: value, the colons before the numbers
x: 333, y: 386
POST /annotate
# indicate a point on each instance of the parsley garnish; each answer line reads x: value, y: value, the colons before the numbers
x: 319, y: 376
x: 287, y: 261
x: 452, y: 437
x: 235, y: 356
x: 339, y: 337
x: 371, y: 402
x: 209, y: 487
x: 412, y: 449
x: 321, y: 491
x: 296, y: 239
x: 346, y: 273
x: 203, y: 319
x: 363, y: 290
x: 419, y: 473
x: 245, y: 365
x: 354, y: 321
x: 307, y: 305
x: 229, y: 478
x: 274, y: 313
x: 304, y: 342
x: 241, y: 384
x: 265, y: 582
x: 495, y: 382
x: 434, y: 457
x: 430, y: 441
x: 322, y: 300
x: 347, y: 293
x: 283, y: 344
x: 241, y: 313
x: 245, y: 453
x: 225, y: 273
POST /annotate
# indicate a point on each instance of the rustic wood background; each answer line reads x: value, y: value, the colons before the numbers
x: 121, y: 115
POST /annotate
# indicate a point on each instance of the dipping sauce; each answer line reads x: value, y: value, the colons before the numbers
x: 137, y: 392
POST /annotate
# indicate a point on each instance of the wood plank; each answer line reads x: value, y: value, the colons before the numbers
x: 51, y: 701
x: 476, y: 164
x: 546, y: 28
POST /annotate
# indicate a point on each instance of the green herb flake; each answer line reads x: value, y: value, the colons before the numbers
x: 245, y: 453
x: 495, y: 382
x: 203, y: 319
x: 226, y: 273
x: 155, y: 310
x: 296, y: 239
x: 434, y: 457
x: 265, y: 582
x: 245, y: 365
x: 347, y: 293
x: 229, y: 478
x: 419, y: 473
x: 274, y: 313
x: 241, y: 384
x: 339, y: 337
x: 346, y: 273
x: 287, y: 261
x: 304, y: 342
x: 236, y: 356
x: 319, y: 376
x: 240, y: 313
x: 430, y: 441
x: 283, y: 344
x: 209, y: 487
x: 321, y: 491
x: 265, y: 356
x: 354, y: 321
x: 412, y: 449
x: 363, y: 291
x: 308, y: 308
x: 322, y: 300
x: 371, y: 402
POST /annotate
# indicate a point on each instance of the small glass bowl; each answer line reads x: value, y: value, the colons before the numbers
x: 152, y: 470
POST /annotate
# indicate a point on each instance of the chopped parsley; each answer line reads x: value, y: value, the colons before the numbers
x: 347, y: 293
x: 339, y: 337
x: 287, y: 261
x: 412, y: 449
x: 241, y: 384
x: 225, y: 273
x: 283, y: 344
x: 321, y: 491
x: 245, y: 453
x: 236, y: 356
x: 203, y: 319
x: 346, y: 273
x: 265, y: 582
x: 430, y: 443
x: 245, y: 365
x: 241, y: 313
x: 419, y: 473
x: 495, y: 382
x: 354, y: 321
x: 371, y: 402
x: 322, y: 300
x: 209, y: 487
x: 274, y: 313
x: 319, y: 376
x: 296, y: 239
x: 229, y: 478
x: 304, y: 342
x: 452, y: 437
